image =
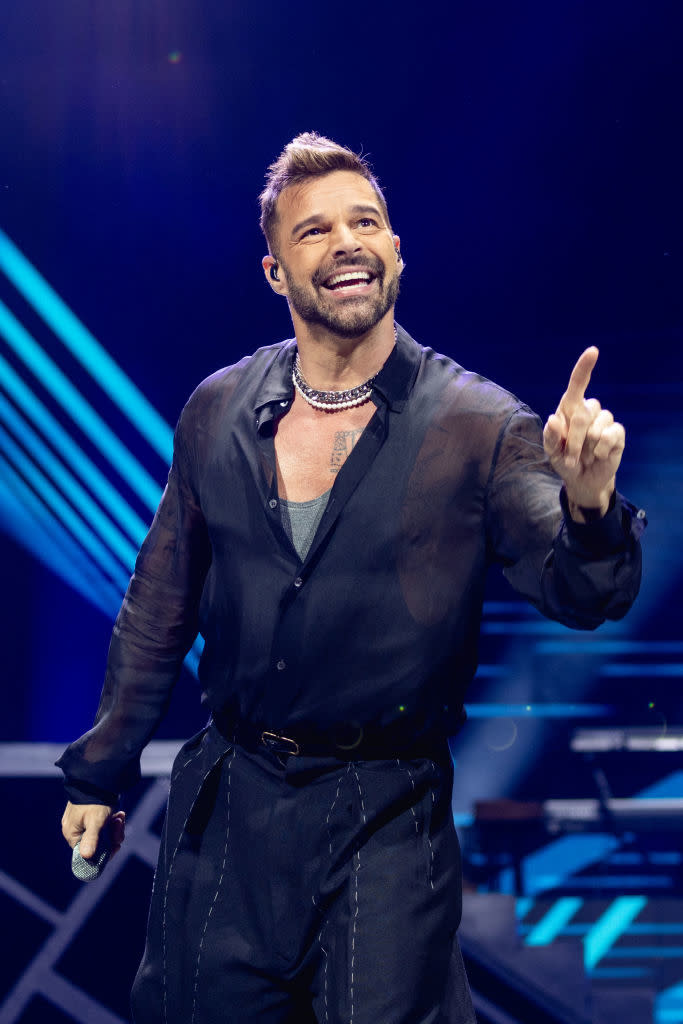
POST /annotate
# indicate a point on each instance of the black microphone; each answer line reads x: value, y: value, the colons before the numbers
x: 88, y: 870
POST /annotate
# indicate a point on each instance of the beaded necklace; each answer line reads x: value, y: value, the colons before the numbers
x: 332, y: 401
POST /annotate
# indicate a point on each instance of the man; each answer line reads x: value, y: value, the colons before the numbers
x: 332, y: 507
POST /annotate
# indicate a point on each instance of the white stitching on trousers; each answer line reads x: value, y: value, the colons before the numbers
x: 353, y: 936
x: 327, y: 1008
x: 329, y: 813
x: 320, y: 934
x: 431, y: 848
x: 412, y: 783
x: 218, y: 889
x: 417, y: 828
x: 168, y: 882
x: 356, y: 908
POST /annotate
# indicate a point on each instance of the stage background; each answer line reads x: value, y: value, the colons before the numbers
x: 531, y: 159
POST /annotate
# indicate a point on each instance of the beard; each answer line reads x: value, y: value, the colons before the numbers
x: 352, y: 317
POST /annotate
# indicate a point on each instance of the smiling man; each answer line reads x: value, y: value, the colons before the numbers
x: 348, y: 296
x: 332, y: 509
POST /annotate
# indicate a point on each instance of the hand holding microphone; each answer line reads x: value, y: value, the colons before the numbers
x: 88, y: 870
x: 94, y: 834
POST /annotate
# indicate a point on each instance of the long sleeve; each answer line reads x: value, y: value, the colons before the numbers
x: 154, y: 630
x: 577, y: 574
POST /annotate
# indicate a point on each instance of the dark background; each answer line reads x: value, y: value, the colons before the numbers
x: 531, y: 159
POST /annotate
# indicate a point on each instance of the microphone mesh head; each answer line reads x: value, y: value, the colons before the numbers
x: 87, y: 870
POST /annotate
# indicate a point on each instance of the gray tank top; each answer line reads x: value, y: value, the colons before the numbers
x: 300, y: 520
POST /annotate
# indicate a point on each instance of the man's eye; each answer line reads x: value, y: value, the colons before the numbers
x: 312, y: 231
x: 367, y: 222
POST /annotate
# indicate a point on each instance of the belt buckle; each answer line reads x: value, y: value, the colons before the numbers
x: 280, y: 744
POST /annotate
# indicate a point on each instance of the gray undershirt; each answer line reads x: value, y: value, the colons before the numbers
x: 300, y: 520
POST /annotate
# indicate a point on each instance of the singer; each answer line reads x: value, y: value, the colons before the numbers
x: 333, y: 505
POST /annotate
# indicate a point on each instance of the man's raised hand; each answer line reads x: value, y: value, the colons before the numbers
x: 583, y: 443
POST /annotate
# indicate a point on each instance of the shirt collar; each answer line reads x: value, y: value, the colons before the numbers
x: 394, y: 382
x: 396, y: 378
x: 276, y: 387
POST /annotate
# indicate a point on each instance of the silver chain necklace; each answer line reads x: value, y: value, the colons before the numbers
x: 332, y: 401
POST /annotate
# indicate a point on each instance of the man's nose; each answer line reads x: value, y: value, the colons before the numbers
x: 344, y: 241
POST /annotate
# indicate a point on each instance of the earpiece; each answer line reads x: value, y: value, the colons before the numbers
x: 398, y: 254
x: 273, y: 272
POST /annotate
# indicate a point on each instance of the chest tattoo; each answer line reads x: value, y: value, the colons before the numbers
x: 344, y: 441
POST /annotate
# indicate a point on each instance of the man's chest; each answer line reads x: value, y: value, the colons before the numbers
x: 312, y: 446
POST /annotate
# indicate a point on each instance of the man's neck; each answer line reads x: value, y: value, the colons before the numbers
x: 330, y: 362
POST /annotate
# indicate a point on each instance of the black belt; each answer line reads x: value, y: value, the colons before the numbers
x: 349, y: 741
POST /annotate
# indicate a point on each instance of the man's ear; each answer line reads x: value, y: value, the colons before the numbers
x: 397, y: 247
x: 274, y: 276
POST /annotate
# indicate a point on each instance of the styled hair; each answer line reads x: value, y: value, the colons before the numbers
x: 307, y: 156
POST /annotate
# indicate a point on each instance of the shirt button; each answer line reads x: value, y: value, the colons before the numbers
x: 298, y: 582
x: 284, y: 404
x: 281, y: 665
x: 273, y: 503
x: 641, y: 513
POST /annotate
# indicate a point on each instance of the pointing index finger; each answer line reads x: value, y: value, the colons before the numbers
x: 581, y: 375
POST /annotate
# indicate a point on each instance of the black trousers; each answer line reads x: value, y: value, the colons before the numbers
x: 307, y: 891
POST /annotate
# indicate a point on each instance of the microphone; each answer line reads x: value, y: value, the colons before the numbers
x: 88, y: 870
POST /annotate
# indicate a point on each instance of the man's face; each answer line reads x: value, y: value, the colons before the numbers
x: 337, y: 253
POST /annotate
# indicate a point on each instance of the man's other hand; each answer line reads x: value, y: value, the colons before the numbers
x: 583, y: 443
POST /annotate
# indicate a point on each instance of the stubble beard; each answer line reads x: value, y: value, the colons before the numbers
x: 355, y: 317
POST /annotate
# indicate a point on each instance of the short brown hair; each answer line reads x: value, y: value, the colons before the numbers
x: 310, y: 155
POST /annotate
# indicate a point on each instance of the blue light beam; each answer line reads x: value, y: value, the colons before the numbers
x: 53, y: 499
x: 551, y: 866
x: 71, y: 453
x: 71, y: 400
x: 67, y: 483
x: 26, y: 517
x: 85, y: 347
x: 35, y: 528
x: 553, y: 921
x: 98, y: 483
x: 538, y: 710
x: 609, y: 926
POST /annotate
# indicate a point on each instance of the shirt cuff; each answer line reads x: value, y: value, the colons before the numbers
x: 604, y: 536
x: 85, y: 793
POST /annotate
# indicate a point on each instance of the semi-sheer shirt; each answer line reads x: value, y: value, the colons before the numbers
x: 378, y: 626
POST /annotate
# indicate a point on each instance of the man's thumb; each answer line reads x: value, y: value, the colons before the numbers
x: 89, y: 841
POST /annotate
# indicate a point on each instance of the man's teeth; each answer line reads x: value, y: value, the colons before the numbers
x: 352, y: 277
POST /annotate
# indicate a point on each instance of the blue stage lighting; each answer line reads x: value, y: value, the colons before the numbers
x: 81, y: 343
x: 54, y: 500
x: 110, y: 498
x: 609, y: 926
x: 553, y: 921
x: 34, y: 526
x: 52, y: 378
x: 68, y: 484
x: 539, y: 710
